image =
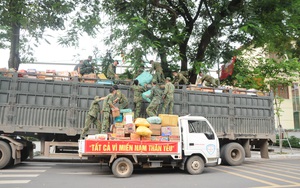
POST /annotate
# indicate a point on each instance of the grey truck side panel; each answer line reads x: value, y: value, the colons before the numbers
x: 59, y: 107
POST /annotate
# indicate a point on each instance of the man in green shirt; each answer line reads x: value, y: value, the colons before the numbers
x: 137, y: 98
x: 106, y: 108
x: 92, y: 116
x: 111, y: 71
x: 159, y: 76
x: 179, y: 78
x: 168, y: 96
x: 120, y: 98
x: 156, y: 96
x: 87, y: 67
x: 210, y: 81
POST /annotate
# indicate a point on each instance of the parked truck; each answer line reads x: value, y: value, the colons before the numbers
x: 54, y: 111
x: 197, y: 146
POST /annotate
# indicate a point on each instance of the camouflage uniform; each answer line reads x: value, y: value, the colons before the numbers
x: 156, y: 95
x: 122, y: 99
x: 159, y: 76
x: 139, y: 71
x: 111, y: 71
x: 180, y: 77
x: 86, y: 67
x: 92, y: 117
x: 137, y: 99
x: 106, y: 111
x: 210, y: 81
x: 168, y: 98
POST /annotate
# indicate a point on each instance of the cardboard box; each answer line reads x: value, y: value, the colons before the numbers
x: 120, y: 132
x: 148, y: 138
x: 168, y: 131
x: 101, y: 136
x: 168, y: 119
x: 174, y: 131
x: 134, y: 136
x: 128, y: 117
x: 115, y: 112
x: 119, y: 125
x: 123, y: 138
x: 174, y: 138
x: 129, y: 128
x: 156, y: 129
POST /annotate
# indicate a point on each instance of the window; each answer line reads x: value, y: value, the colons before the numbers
x: 201, y: 127
x: 282, y: 91
x: 296, y: 100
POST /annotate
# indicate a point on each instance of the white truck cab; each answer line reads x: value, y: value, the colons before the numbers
x: 198, y: 145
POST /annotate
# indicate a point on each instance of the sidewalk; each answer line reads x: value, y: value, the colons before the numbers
x: 274, y: 153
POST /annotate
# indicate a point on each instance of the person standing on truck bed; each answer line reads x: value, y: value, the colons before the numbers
x: 159, y: 76
x: 168, y: 96
x: 120, y: 98
x: 111, y: 71
x: 107, y: 105
x: 92, y: 116
x: 87, y: 67
x: 137, y: 97
x: 78, y: 66
x: 156, y: 95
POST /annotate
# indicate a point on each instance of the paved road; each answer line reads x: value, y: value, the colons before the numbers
x: 254, y: 173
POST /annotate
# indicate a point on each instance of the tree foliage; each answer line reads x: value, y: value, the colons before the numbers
x: 201, y: 32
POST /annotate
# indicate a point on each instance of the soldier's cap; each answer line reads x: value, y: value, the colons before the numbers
x: 168, y: 78
x: 96, y: 97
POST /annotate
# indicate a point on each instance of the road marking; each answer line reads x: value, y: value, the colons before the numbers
x: 33, y: 167
x: 18, y: 175
x: 262, y: 175
x: 247, y: 177
x: 14, y: 181
x: 22, y: 171
x: 275, y: 169
x: 284, y: 186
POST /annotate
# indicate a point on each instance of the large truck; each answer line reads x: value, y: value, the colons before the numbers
x: 197, y: 146
x: 54, y: 112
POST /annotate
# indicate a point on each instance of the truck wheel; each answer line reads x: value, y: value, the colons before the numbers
x: 5, y: 154
x: 233, y: 154
x: 122, y: 167
x: 195, y: 165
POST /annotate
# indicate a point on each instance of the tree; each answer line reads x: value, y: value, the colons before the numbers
x: 202, y: 31
x: 33, y: 18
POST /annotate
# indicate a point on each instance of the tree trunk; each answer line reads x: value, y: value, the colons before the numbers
x: 14, y: 56
x: 164, y: 62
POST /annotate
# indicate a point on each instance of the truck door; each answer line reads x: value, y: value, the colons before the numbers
x: 200, y: 138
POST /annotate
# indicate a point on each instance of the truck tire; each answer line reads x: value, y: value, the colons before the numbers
x: 122, y: 167
x: 233, y: 154
x: 5, y: 154
x: 195, y: 165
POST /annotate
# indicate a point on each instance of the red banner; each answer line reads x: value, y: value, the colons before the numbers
x: 227, y: 69
x: 116, y: 146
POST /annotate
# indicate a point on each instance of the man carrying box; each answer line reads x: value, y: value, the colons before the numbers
x: 107, y: 105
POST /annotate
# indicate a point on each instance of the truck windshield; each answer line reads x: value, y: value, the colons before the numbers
x: 201, y: 127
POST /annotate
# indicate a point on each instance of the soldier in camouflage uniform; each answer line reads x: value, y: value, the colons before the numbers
x: 156, y: 96
x: 140, y: 70
x: 210, y: 81
x: 87, y: 67
x: 92, y: 116
x: 168, y: 96
x: 111, y: 71
x: 179, y: 77
x: 159, y: 76
x: 120, y: 98
x: 107, y: 105
x: 137, y: 99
